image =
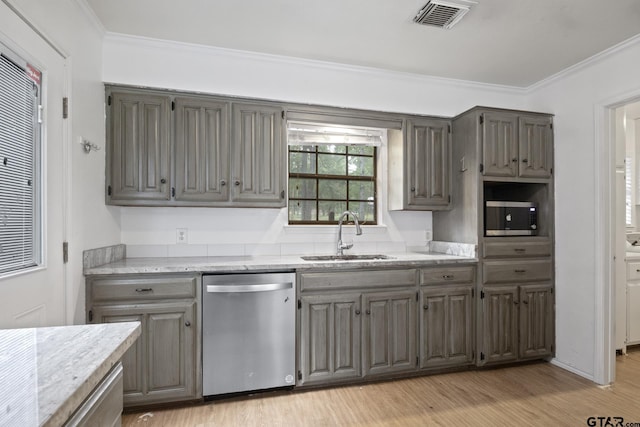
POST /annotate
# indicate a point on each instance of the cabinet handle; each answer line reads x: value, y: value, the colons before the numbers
x: 515, y: 302
x: 223, y: 183
x: 357, y: 312
x: 187, y: 323
x: 520, y: 250
x: 525, y: 161
x: 368, y: 311
x: 236, y: 183
x: 413, y: 188
x: 519, y: 271
x: 514, y: 160
x: 447, y: 276
x: 426, y: 307
x: 163, y: 181
x: 525, y: 302
x: 143, y: 290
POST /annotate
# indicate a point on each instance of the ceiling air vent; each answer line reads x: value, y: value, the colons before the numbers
x: 443, y: 13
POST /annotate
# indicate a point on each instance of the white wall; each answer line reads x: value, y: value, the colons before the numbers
x: 90, y: 223
x: 154, y: 63
x: 574, y: 97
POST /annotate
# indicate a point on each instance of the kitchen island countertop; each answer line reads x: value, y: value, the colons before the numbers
x: 48, y: 372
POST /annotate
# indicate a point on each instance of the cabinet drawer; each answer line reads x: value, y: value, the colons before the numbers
x: 144, y: 288
x: 357, y: 279
x: 633, y: 270
x: 517, y: 249
x: 516, y: 271
x: 440, y: 275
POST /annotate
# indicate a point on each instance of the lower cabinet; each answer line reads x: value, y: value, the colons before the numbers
x: 517, y: 322
x: 163, y: 365
x: 446, y: 326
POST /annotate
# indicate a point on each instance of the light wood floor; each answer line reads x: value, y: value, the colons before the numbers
x: 538, y: 395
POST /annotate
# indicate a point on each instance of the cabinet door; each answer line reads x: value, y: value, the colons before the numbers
x: 132, y: 361
x: 428, y: 163
x: 536, y: 147
x: 499, y: 144
x: 500, y: 323
x: 162, y: 365
x: 446, y: 335
x: 258, y: 153
x: 138, y: 151
x: 202, y: 150
x: 329, y: 338
x: 389, y: 332
x: 633, y: 313
x: 536, y: 321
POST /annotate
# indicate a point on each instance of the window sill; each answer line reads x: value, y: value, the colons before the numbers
x: 13, y: 274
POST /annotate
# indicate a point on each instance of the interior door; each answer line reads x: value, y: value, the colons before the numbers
x: 37, y: 297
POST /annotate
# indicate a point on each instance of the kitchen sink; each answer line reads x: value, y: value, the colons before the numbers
x: 344, y: 257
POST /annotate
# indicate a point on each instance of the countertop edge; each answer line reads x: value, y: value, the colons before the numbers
x: 73, y: 402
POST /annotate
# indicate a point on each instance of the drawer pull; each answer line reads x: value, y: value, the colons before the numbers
x: 520, y: 250
x: 144, y: 290
x: 520, y: 271
x: 448, y: 276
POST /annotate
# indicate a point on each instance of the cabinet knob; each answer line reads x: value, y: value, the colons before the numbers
x: 187, y: 323
x: 357, y: 312
x: 413, y: 188
x: 223, y: 183
x: 236, y: 183
x: 163, y: 181
x: 426, y: 307
x: 368, y: 311
x: 514, y: 160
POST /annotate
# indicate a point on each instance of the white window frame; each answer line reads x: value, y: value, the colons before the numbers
x: 36, y: 256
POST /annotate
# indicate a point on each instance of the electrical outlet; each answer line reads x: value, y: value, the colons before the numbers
x: 428, y: 235
x: 182, y: 235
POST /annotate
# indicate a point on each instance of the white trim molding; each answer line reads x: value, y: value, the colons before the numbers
x: 91, y: 16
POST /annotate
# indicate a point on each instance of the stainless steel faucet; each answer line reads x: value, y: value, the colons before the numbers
x: 343, y: 246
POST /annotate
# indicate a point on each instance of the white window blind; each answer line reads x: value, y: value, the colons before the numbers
x: 19, y: 164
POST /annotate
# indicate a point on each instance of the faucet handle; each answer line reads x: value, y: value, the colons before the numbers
x: 346, y: 245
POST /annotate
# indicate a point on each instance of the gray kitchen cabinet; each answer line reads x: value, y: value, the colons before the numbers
x: 164, y: 364
x: 329, y: 338
x: 500, y: 320
x: 536, y: 321
x: 201, y: 150
x: 446, y: 325
x: 420, y: 165
x: 516, y: 145
x: 389, y: 330
x: 258, y: 153
x: 138, y: 159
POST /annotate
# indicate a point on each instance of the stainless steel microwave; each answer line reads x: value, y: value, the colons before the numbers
x: 510, y: 218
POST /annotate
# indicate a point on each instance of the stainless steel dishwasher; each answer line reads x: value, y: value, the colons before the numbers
x: 248, y: 332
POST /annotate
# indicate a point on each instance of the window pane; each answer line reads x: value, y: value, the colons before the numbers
x: 302, y: 188
x: 310, y: 148
x: 302, y: 162
x: 360, y: 166
x: 330, y: 211
x: 330, y: 164
x: 361, y: 149
x: 336, y: 149
x: 332, y: 189
x: 364, y: 210
x: 361, y: 190
x: 302, y: 210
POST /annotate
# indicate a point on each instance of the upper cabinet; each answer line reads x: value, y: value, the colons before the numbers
x: 192, y: 150
x: 420, y: 165
x: 516, y: 145
x: 138, y: 156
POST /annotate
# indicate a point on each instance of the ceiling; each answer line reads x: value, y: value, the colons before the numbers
x: 506, y: 42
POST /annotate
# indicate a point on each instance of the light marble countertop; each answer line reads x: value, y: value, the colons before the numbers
x: 256, y: 263
x: 46, y: 373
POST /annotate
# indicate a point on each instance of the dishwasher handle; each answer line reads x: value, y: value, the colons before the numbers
x: 262, y: 287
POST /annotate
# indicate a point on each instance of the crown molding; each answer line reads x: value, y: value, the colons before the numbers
x: 91, y: 16
x: 584, y: 64
x: 153, y: 43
